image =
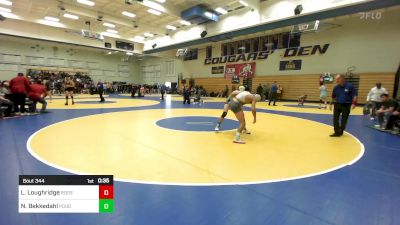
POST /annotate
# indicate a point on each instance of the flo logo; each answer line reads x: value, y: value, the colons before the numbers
x: 370, y: 15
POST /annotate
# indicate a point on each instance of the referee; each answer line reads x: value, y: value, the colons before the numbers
x: 344, y: 98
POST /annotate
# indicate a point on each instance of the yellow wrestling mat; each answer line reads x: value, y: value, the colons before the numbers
x: 308, y: 108
x: 205, y: 99
x: 76, y: 96
x: 132, y: 147
x: 95, y: 104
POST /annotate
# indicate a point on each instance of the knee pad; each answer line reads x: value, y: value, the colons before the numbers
x: 224, y: 114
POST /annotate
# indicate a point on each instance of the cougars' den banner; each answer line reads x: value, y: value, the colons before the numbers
x: 246, y: 70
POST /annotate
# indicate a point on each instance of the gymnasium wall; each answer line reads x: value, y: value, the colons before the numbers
x: 19, y: 54
x: 371, y: 46
x: 158, y: 70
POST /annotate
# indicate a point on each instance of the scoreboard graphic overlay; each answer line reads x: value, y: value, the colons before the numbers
x: 66, y: 194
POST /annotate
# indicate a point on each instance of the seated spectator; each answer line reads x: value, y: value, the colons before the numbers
x: 386, y: 110
x: 302, y: 99
x: 37, y: 94
x: 6, y: 106
x: 394, y: 118
x: 374, y: 98
x: 197, y: 98
x: 5, y: 90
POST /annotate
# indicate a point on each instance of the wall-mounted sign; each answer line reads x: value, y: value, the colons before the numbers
x: 289, y: 52
x: 240, y: 57
x: 306, y: 50
x: 246, y: 70
x: 290, y: 65
x: 217, y: 69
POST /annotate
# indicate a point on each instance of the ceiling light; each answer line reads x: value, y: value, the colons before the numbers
x: 110, y: 34
x: 170, y: 27
x: 139, y: 37
x: 109, y: 25
x: 10, y: 15
x: 148, y: 35
x: 51, y: 23
x: 128, y: 14
x: 6, y: 2
x: 70, y: 16
x: 112, y: 31
x: 50, y: 18
x: 136, y: 39
x: 184, y: 22
x: 243, y: 3
x: 221, y: 10
x: 155, y: 12
x: 154, y: 5
x: 86, y: 2
x: 5, y: 10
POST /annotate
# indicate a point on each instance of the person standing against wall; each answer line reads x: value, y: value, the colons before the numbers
x: 374, y: 98
x: 273, y: 93
x: 344, y: 98
x: 260, y: 90
x: 266, y: 90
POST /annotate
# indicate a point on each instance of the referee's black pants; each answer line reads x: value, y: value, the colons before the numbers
x: 101, y: 95
x: 343, y: 110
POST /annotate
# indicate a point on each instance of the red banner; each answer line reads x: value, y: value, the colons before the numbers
x: 246, y: 70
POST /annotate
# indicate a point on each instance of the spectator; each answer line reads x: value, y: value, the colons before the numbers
x: 374, y: 98
x: 265, y: 95
x: 388, y: 106
x: 37, y: 93
x: 142, y: 91
x: 186, y: 95
x: 5, y: 90
x: 273, y: 94
x: 323, y: 94
x: 133, y: 92
x: 100, y: 89
x: 163, y: 89
x: 280, y: 92
x: 47, y: 85
x: 394, y: 118
x: 5, y: 102
x: 302, y: 99
x: 226, y: 92
x: 260, y: 90
x: 19, y: 86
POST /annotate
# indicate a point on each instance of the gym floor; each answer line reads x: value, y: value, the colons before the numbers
x: 172, y: 168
